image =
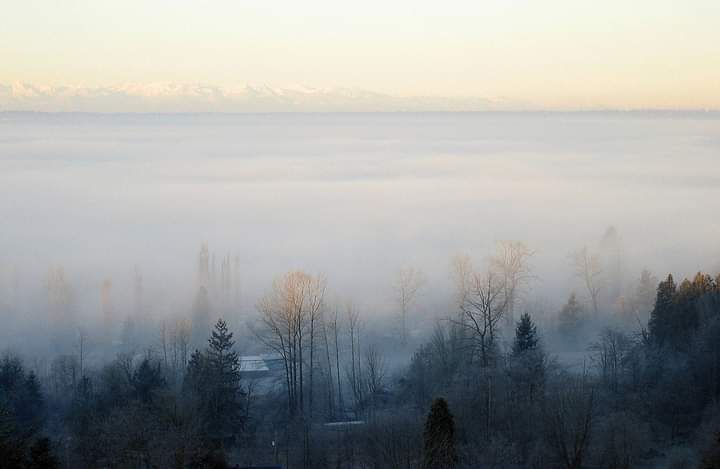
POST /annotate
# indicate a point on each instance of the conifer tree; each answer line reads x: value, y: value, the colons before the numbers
x: 660, y: 324
x: 213, y: 378
x: 569, y: 316
x: 525, y: 335
x: 224, y: 365
x: 439, y: 438
x: 146, y: 380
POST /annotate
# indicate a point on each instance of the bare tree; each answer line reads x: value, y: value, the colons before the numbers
x: 609, y: 355
x: 81, y: 344
x: 164, y: 339
x: 335, y: 329
x: 588, y: 268
x: 483, y: 306
x: 374, y: 370
x: 511, y: 263
x: 289, y: 312
x: 462, y: 272
x: 328, y: 363
x: 569, y: 421
x: 408, y: 282
x: 354, y: 373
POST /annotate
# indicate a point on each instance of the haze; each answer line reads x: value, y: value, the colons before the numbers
x: 355, y: 197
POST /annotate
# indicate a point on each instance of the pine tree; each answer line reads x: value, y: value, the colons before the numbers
x: 200, y: 317
x: 213, y: 380
x: 660, y: 324
x: 569, y: 316
x: 146, y: 380
x: 224, y: 373
x: 439, y: 438
x: 41, y: 456
x: 525, y: 335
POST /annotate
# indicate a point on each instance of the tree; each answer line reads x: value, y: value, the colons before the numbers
x: 407, y: 284
x: 146, y: 380
x: 525, y: 335
x: 213, y: 381
x: 289, y: 312
x: 609, y: 355
x: 711, y: 456
x: 224, y: 374
x: 482, y: 306
x: 108, y: 308
x: 511, y: 262
x: 610, y: 254
x: 660, y: 324
x: 589, y: 270
x: 200, y: 317
x: 570, y: 315
x: 569, y: 421
x: 439, y: 438
x: 41, y: 456
x: 645, y: 296
x: 374, y: 373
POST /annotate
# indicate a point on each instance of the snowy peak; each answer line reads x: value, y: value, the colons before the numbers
x: 200, y: 97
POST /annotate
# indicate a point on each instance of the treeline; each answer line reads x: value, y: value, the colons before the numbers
x: 647, y: 398
x: 126, y: 414
x: 645, y: 394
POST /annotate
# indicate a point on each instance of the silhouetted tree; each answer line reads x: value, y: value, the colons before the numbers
x: 439, y: 438
x: 525, y: 335
x: 41, y: 456
x: 660, y: 324
x: 146, y: 380
x: 213, y: 381
x: 711, y: 458
x: 570, y: 316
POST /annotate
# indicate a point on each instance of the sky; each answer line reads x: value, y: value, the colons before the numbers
x: 552, y: 54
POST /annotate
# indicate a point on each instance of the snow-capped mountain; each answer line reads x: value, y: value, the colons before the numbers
x: 199, y: 97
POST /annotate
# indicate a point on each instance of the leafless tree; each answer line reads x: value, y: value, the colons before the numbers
x: 336, y: 330
x: 569, y: 421
x: 588, y: 268
x: 81, y: 344
x: 328, y: 364
x: 354, y: 373
x: 483, y: 306
x: 289, y: 313
x: 164, y: 342
x: 609, y: 355
x: 374, y: 372
x: 408, y: 282
x: 462, y: 272
x: 511, y: 263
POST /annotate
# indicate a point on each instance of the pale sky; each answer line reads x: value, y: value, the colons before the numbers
x: 554, y: 54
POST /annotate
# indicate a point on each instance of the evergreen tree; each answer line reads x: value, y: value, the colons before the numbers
x: 41, y: 456
x: 439, y: 438
x: 570, y: 315
x: 660, y: 325
x: 146, y: 380
x: 213, y: 380
x: 224, y: 374
x: 645, y: 295
x: 525, y: 335
x: 200, y: 317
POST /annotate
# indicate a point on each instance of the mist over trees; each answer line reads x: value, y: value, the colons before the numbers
x: 623, y: 372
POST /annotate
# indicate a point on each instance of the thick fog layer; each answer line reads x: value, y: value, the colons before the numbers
x: 355, y: 197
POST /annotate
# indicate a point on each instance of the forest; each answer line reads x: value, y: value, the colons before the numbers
x: 625, y: 374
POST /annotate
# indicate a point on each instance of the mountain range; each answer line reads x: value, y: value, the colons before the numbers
x: 199, y: 97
